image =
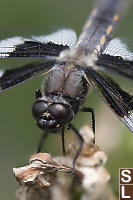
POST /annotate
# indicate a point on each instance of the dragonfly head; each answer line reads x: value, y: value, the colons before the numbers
x: 51, y: 116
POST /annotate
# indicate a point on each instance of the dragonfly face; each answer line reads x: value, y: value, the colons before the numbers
x: 51, y: 116
x: 72, y: 65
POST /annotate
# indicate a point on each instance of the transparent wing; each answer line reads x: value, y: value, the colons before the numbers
x: 110, y: 92
x: 117, y: 57
x: 49, y: 45
x: 13, y: 77
x: 120, y: 47
x: 65, y: 37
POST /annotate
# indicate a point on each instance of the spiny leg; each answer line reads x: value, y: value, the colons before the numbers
x: 63, y: 142
x: 38, y: 94
x: 80, y: 148
x: 93, y: 117
x: 40, y: 145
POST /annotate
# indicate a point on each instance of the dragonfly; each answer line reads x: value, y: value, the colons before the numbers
x: 73, y: 67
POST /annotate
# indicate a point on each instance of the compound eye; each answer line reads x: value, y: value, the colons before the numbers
x: 38, y: 108
x: 61, y: 112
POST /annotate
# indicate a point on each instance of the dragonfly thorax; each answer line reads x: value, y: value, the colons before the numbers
x: 77, y: 56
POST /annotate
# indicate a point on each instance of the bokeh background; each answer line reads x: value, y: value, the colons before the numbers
x: 19, y: 134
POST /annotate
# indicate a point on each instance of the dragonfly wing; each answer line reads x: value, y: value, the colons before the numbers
x: 110, y: 92
x: 65, y: 37
x: 117, y: 57
x: 13, y: 77
x: 50, y: 45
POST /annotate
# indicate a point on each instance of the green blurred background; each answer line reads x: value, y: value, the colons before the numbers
x: 19, y: 134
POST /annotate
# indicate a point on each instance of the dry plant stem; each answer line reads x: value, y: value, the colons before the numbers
x: 32, y: 193
x: 50, y: 178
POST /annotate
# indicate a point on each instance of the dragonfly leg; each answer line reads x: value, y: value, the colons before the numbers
x: 80, y: 147
x: 63, y: 142
x: 40, y: 145
x: 91, y: 110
